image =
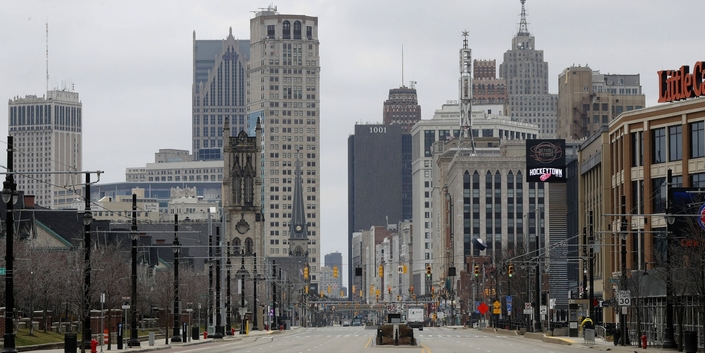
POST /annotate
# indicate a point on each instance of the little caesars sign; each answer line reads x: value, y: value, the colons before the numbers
x: 675, y: 85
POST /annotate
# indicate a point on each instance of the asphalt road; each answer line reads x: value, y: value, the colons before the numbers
x: 357, y: 339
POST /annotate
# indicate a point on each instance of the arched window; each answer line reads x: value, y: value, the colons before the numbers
x: 237, y: 246
x: 286, y: 29
x: 249, y: 248
x: 297, y: 30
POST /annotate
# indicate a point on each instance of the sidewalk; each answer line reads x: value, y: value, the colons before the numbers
x: 160, y: 344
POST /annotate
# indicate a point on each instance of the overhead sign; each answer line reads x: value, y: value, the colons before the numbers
x: 674, y: 85
x: 545, y: 161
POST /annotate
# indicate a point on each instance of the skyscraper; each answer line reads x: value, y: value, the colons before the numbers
x: 588, y: 100
x: 402, y: 108
x: 218, y: 90
x: 48, y: 138
x: 526, y: 73
x: 283, y: 90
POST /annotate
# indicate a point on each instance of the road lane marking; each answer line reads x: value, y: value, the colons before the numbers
x: 426, y: 347
x: 368, y: 342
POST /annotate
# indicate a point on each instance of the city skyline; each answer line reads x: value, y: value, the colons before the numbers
x: 134, y: 76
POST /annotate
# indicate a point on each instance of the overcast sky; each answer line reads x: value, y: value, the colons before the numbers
x: 131, y: 62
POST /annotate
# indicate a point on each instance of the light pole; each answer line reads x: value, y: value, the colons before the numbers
x: 274, y: 294
x: 218, y: 319
x: 254, y: 295
x: 623, y: 279
x: 87, y: 219
x: 9, y: 197
x: 134, y: 341
x: 668, y: 339
x: 537, y: 312
x: 242, y: 292
x: 228, y: 265
x: 176, y: 336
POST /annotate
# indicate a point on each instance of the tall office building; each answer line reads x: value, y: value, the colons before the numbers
x: 47, y: 135
x: 526, y: 73
x: 218, y: 90
x: 588, y: 99
x: 283, y: 90
x: 402, y: 108
x: 332, y: 260
x: 487, y: 89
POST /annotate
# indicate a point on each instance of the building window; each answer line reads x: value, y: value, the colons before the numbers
x: 675, y: 143
x: 270, y: 31
x: 286, y: 29
x: 658, y: 136
x: 658, y: 193
x: 637, y: 149
x: 697, y: 180
x: 697, y: 139
x: 309, y: 32
x: 297, y: 30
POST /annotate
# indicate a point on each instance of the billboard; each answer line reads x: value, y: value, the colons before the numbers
x: 545, y: 161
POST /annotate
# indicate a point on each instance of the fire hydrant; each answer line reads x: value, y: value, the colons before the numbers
x: 281, y: 327
x: 205, y: 335
x: 643, y: 341
x: 94, y: 346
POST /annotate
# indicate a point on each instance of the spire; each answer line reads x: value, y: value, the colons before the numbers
x: 523, y: 28
x: 297, y: 227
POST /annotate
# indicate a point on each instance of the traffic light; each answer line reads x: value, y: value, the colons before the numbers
x: 411, y: 289
x: 477, y: 270
x: 389, y: 289
x: 342, y: 293
x: 306, y: 289
x: 428, y: 270
x: 398, y: 297
x: 511, y: 271
x: 335, y: 271
x: 353, y: 289
x: 306, y: 272
x: 432, y: 290
x: 321, y: 294
x: 329, y: 289
x: 380, y: 271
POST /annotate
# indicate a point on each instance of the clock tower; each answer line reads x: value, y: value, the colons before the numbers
x: 298, y: 230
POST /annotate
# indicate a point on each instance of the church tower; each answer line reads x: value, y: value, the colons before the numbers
x: 298, y: 230
x: 242, y: 197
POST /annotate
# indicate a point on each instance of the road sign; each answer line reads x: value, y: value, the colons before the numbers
x: 509, y: 308
x: 544, y: 310
x: 483, y: 308
x: 497, y: 304
x: 624, y: 298
x: 552, y: 303
x: 527, y: 306
x: 3, y: 271
x: 509, y: 299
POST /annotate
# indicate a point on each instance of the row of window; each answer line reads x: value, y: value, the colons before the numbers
x: 286, y: 30
x: 667, y: 144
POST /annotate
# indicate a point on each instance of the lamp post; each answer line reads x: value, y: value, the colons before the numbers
x: 9, y: 197
x: 242, y: 293
x: 176, y: 336
x: 228, y: 265
x: 87, y: 219
x: 668, y: 339
x: 537, y: 312
x: 218, y: 319
x: 274, y: 294
x: 254, y: 295
x: 623, y: 280
x: 134, y: 341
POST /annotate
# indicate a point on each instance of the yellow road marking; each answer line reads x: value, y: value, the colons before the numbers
x: 368, y: 342
x: 425, y: 347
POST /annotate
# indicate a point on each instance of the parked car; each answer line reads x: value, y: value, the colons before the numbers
x: 346, y: 323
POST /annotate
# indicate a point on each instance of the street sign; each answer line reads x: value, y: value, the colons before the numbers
x: 3, y: 271
x: 527, y: 306
x: 544, y: 310
x: 497, y: 304
x: 624, y: 298
x: 552, y: 303
x: 509, y: 308
x: 483, y: 308
x: 509, y: 299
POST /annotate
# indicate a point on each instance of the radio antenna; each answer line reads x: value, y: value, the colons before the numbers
x: 47, y: 56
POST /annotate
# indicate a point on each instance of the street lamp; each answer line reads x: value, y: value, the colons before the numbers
x: 242, y: 292
x: 9, y: 197
x: 218, y: 319
x: 176, y: 336
x: 134, y: 341
x: 87, y: 219
x: 228, y: 265
x: 668, y: 339
x: 623, y: 281
x: 254, y: 295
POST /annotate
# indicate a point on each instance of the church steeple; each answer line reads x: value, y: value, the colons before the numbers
x: 523, y: 28
x: 298, y: 230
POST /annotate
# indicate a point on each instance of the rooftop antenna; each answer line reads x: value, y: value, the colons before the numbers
x: 47, y: 56
x: 402, y: 65
x: 466, y: 93
x: 523, y: 28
